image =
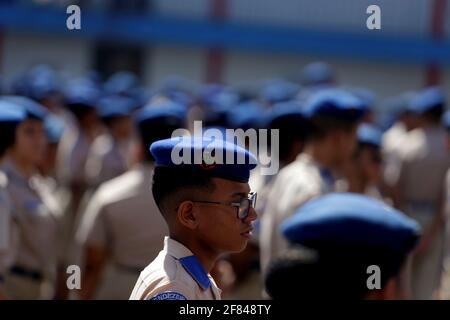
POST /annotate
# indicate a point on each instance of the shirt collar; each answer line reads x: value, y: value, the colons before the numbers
x: 189, y: 262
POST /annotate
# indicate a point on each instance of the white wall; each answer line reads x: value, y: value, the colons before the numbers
x: 20, y: 51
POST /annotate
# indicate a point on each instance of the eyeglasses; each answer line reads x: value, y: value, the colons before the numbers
x: 243, y: 206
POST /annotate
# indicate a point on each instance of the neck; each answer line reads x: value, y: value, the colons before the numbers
x: 205, y: 255
x: 24, y: 167
x: 320, y: 153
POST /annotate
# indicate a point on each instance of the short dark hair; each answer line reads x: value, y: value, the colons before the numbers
x: 291, y: 130
x: 178, y: 184
x: 435, y: 113
x: 321, y: 126
x: 8, y: 135
x: 304, y: 274
x: 150, y: 131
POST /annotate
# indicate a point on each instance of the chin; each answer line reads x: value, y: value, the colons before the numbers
x: 239, y: 247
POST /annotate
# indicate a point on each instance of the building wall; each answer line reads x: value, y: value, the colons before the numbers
x: 73, y: 56
x: 20, y: 51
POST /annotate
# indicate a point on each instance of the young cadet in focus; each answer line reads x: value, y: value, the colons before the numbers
x: 122, y: 228
x: 350, y: 242
x: 424, y: 163
x: 333, y: 115
x: 35, y: 217
x: 209, y: 210
x: 10, y: 117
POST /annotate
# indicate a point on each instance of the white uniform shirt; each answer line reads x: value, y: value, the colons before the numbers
x: 36, y: 223
x: 176, y: 274
x: 295, y: 184
x: 123, y: 218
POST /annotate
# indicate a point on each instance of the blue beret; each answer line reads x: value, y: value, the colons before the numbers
x: 31, y: 108
x: 285, y: 111
x: 82, y: 94
x: 278, y: 91
x: 245, y: 115
x: 10, y: 112
x: 335, y: 103
x: 369, y: 134
x: 115, y: 106
x: 215, y: 157
x: 317, y: 73
x: 347, y: 220
x: 426, y: 99
x: 160, y: 109
x: 367, y: 97
x: 54, y: 128
x: 121, y: 82
x: 43, y: 81
x: 446, y: 119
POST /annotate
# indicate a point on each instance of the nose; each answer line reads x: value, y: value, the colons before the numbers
x: 252, y: 215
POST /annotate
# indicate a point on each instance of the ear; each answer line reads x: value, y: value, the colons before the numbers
x: 186, y: 215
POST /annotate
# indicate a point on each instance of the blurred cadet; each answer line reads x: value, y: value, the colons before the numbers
x: 424, y: 163
x: 35, y: 216
x: 406, y: 121
x: 364, y: 172
x: 335, y: 239
x: 209, y: 210
x: 292, y: 126
x: 122, y: 229
x: 369, y: 99
x: 333, y: 115
x: 109, y: 154
x: 121, y: 83
x: 81, y: 99
x: 10, y: 118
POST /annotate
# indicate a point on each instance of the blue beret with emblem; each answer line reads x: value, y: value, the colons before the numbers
x: 215, y: 157
x: 345, y: 220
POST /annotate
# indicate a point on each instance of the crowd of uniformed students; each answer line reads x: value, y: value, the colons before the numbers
x: 75, y: 174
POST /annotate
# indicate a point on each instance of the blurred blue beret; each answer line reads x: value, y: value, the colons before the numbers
x: 278, y: 90
x: 446, y: 119
x: 43, y: 81
x: 426, y: 99
x: 369, y: 134
x: 31, y: 108
x: 115, y: 106
x: 82, y: 94
x: 334, y: 103
x: 121, y: 82
x: 160, y: 109
x: 348, y: 220
x: 245, y: 115
x: 367, y: 96
x: 290, y: 112
x: 317, y: 73
x: 54, y: 128
x: 209, y: 156
x: 10, y: 112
